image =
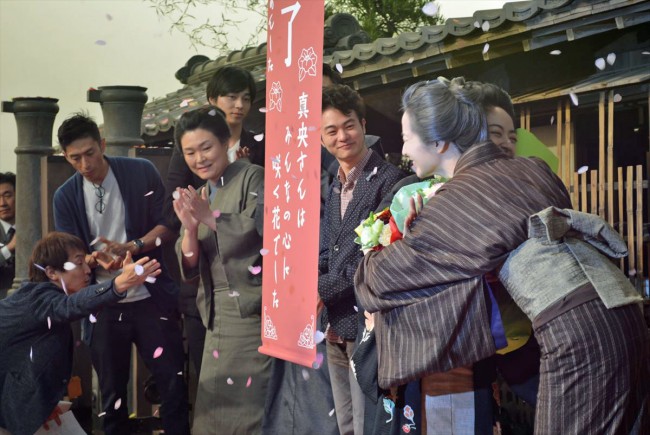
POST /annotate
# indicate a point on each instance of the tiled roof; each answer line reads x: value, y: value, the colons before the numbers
x: 517, y: 27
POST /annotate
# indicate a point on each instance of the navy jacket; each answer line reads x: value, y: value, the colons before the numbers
x: 136, y: 178
x: 339, y: 255
x: 36, y: 358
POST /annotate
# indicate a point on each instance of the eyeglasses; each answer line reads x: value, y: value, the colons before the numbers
x: 100, y: 191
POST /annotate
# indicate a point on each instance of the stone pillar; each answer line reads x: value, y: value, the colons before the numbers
x: 122, y: 108
x: 34, y: 121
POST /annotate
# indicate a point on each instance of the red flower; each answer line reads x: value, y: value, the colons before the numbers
x: 406, y: 428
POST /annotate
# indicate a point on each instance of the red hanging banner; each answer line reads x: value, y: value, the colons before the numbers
x: 292, y: 179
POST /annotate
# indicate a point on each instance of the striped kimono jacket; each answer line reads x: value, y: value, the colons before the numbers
x: 428, y: 289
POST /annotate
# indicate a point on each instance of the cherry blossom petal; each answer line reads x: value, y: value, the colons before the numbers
x: 176, y: 194
x: 263, y: 109
x: 305, y: 374
x: 259, y: 137
x: 229, y: 381
x: 477, y: 24
x: 486, y: 48
x: 212, y: 112
x: 583, y: 169
x: 264, y: 251
x: 356, y: 308
x: 233, y: 293
x: 318, y: 337
x: 101, y: 414
x: 556, y: 52
x: 552, y: 119
x: 188, y: 254
x: 118, y: 404
x: 49, y: 323
x: 647, y: 53
x: 164, y: 318
x: 92, y: 319
x: 600, y: 63
x: 215, y: 354
x: 485, y: 26
x: 100, y: 42
x: 430, y: 9
x: 149, y: 193
x: 339, y: 68
x: 249, y: 382
x: 158, y: 241
x: 95, y: 240
x: 39, y: 267
x: 109, y: 17
x: 157, y: 352
x: 618, y: 98
x: 574, y: 98
x: 138, y: 269
x: 410, y: 60
x: 255, y: 270
x: 332, y: 411
x: 611, y: 58
x: 150, y: 279
x: 69, y: 266
x: 319, y: 360
x: 216, y: 213
x: 31, y: 354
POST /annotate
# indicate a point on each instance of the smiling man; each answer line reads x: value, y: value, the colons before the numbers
x: 7, y: 231
x: 363, y: 180
x: 116, y: 203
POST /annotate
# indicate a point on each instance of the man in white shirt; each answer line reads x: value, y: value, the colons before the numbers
x: 7, y: 231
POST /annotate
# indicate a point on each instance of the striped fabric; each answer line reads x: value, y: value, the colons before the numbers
x: 594, y: 379
x: 428, y: 287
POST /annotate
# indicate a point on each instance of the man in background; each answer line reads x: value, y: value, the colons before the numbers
x: 7, y: 231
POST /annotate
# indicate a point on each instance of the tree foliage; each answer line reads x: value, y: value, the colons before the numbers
x: 379, y: 18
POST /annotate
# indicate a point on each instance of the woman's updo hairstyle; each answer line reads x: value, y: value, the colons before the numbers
x: 439, y: 111
x: 208, y: 118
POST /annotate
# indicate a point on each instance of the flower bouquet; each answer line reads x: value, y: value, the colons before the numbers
x: 381, y: 229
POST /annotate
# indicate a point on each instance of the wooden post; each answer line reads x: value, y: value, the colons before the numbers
x: 528, y: 118
x: 558, y: 142
x: 575, y: 197
x: 621, y: 222
x: 593, y: 207
x: 629, y: 208
x: 610, y: 161
x: 601, y: 156
x: 567, y: 140
x: 639, y: 225
x: 583, y: 192
x: 522, y: 118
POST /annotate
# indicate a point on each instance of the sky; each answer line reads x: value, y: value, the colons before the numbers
x: 60, y: 48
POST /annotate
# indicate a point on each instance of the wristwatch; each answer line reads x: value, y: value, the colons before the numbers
x: 139, y: 244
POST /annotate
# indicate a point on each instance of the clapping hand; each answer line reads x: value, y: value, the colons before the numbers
x: 197, y: 208
x: 107, y: 261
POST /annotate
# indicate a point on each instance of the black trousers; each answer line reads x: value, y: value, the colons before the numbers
x: 142, y: 323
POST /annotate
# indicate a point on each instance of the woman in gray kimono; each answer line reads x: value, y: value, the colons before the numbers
x: 220, y: 248
x: 428, y: 288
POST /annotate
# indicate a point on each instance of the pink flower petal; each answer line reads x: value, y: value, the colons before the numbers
x: 583, y: 169
x: 255, y: 270
x: 259, y: 137
x: 430, y: 9
x: 150, y: 279
x: 305, y: 374
x: 138, y: 269
x: 157, y: 352
x: 611, y: 58
x: 92, y: 319
x: 212, y: 112
x: 49, y: 323
x: 356, y: 308
x: 600, y: 63
x: 176, y: 194
x: 188, y: 254
x: 319, y: 336
x: 618, y: 98
x: 249, y: 381
x: 216, y: 213
x: 95, y: 240
x: 229, y: 381
x: 339, y: 68
x: 31, y: 354
x: 101, y: 414
x: 215, y: 354
x: 552, y: 119
x: 69, y: 266
x: 319, y: 360
x: 158, y: 241
x: 149, y: 193
x: 117, y: 405
x: 233, y: 293
x: 100, y: 42
x: 485, y: 26
x: 263, y: 109
x: 332, y: 411
x: 264, y: 251
x: 410, y: 60
x: 39, y: 267
x: 486, y: 48
x: 556, y: 52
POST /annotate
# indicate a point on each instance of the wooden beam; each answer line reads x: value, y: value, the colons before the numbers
x: 610, y: 161
x: 601, y: 156
x: 558, y: 143
x: 567, y: 140
x: 593, y: 207
x: 640, y: 268
x: 621, y: 218
x: 583, y: 192
x: 629, y: 208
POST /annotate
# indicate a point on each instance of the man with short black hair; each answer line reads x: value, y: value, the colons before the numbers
x: 114, y: 204
x: 7, y: 231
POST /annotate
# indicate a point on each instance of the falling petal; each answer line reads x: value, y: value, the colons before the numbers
x: 215, y: 354
x: 92, y: 319
x: 485, y: 26
x: 69, y: 266
x: 305, y: 374
x: 263, y: 109
x: 611, y: 58
x: 319, y: 360
x: 259, y: 137
x: 39, y: 266
x: 647, y: 53
x: 180, y: 373
x: 318, y: 337
x: 583, y: 169
x: 410, y: 60
x: 339, y: 68
x: 222, y: 181
x: 100, y: 42
x: 157, y: 352
x: 356, y: 308
x: 600, y: 63
x: 556, y: 52
x: 477, y: 24
x: 188, y: 254
x: 632, y: 272
x: 156, y: 412
x: 150, y: 279
x: 95, y: 241
x: 101, y: 414
x: 120, y: 318
x: 212, y: 112
x: 252, y: 193
x: 486, y: 48
x: 233, y: 293
x: 158, y: 241
x: 249, y: 381
x: 109, y: 17
x: 65, y: 290
x: 617, y: 98
x: 255, y: 270
x: 185, y: 102
x: 31, y: 354
x: 430, y: 9
x: 216, y: 213
x: 552, y: 119
x: 49, y: 323
x: 574, y: 98
x: 117, y: 405
x: 164, y: 318
x: 149, y: 193
x: 332, y: 412
x: 229, y: 381
x: 138, y: 269
x: 176, y: 194
x: 264, y: 251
